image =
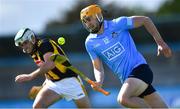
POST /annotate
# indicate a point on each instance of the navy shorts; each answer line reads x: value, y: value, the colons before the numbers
x: 144, y: 73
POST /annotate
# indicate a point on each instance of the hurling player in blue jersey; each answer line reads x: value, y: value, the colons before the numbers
x: 110, y: 42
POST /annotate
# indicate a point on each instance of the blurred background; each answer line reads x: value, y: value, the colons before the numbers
x: 55, y: 18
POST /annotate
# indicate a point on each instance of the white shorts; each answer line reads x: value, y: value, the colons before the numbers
x: 68, y: 88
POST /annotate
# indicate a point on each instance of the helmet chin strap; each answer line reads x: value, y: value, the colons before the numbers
x: 34, y: 46
x: 100, y: 25
x: 100, y: 20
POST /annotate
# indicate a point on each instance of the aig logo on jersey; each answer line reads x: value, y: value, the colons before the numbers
x: 114, y: 51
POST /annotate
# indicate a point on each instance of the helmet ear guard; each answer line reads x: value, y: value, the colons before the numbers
x: 24, y: 35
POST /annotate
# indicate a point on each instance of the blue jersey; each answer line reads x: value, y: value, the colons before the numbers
x: 115, y: 47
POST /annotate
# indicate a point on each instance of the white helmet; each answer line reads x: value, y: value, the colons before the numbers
x: 23, y: 35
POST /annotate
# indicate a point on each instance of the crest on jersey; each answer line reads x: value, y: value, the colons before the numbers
x: 114, y: 34
x: 106, y: 40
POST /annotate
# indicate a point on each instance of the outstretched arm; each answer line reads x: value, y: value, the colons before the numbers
x: 44, y: 68
x: 163, y: 48
x: 98, y: 72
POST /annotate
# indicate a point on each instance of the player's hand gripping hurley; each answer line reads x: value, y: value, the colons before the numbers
x: 60, y: 59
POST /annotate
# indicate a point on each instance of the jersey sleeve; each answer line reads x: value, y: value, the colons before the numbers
x: 124, y: 23
x: 45, y: 47
x: 90, y: 51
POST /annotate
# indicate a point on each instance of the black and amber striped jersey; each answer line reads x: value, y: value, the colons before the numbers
x: 60, y: 71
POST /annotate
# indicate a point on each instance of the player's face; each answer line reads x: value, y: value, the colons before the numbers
x: 27, y: 46
x: 91, y: 24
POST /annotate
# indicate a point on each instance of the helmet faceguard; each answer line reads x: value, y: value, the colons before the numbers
x: 91, y: 11
x: 24, y: 35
